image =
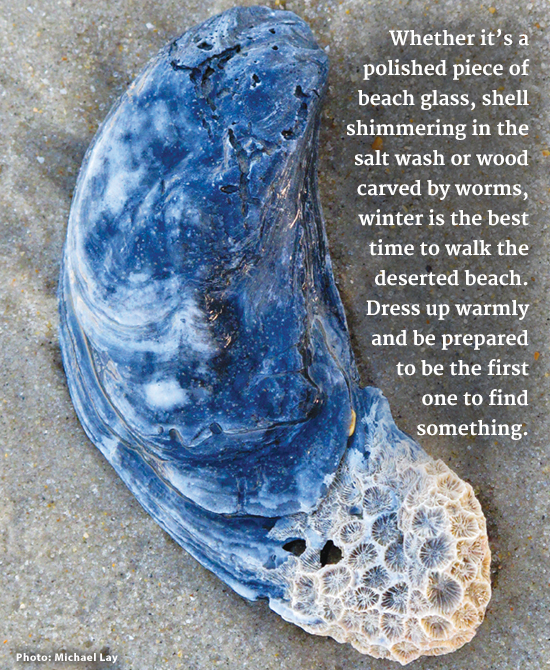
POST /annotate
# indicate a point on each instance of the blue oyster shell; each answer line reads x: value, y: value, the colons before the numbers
x: 197, y: 291
x: 208, y: 357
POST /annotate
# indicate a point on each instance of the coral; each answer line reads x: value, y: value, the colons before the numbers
x: 421, y: 569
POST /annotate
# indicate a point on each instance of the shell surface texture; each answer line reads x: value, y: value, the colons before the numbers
x: 208, y: 357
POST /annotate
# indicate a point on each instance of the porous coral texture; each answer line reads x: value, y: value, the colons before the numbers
x: 408, y: 574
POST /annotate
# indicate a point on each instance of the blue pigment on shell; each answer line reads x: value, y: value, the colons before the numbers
x: 206, y: 346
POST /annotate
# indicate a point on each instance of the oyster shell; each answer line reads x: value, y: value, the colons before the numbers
x: 208, y: 356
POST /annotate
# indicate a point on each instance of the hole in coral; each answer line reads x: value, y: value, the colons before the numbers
x: 272, y: 31
x: 205, y: 46
x: 296, y: 547
x: 287, y: 134
x: 356, y: 511
x: 275, y: 48
x: 330, y: 554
